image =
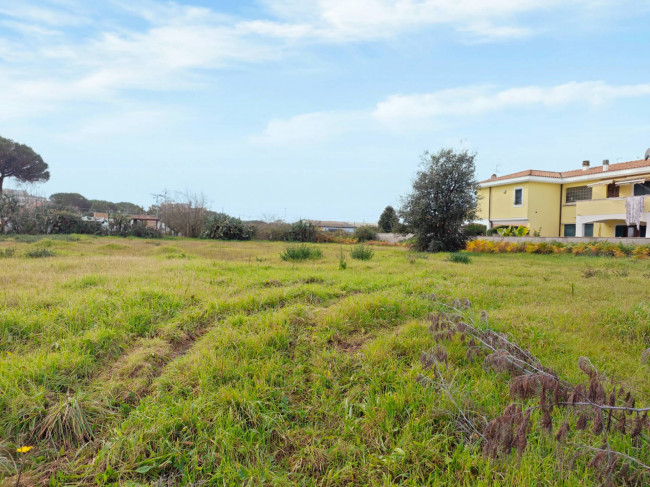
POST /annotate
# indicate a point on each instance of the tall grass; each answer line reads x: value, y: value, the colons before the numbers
x: 362, y: 252
x: 232, y: 367
x: 301, y: 252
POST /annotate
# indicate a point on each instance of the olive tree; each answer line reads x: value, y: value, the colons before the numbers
x: 444, y: 198
x: 20, y: 162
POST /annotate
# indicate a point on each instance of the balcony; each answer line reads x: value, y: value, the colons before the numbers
x: 609, y: 208
x: 611, y: 212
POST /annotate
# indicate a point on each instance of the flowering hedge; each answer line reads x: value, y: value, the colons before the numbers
x: 588, y: 248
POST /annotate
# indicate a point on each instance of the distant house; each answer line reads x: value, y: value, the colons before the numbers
x: 25, y: 199
x: 150, y: 221
x: 334, y: 226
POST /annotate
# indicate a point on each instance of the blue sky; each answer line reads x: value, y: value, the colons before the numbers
x: 316, y: 108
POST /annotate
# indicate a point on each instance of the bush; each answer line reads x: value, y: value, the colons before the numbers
x: 274, y: 231
x: 361, y: 252
x: 582, y: 248
x: 301, y: 252
x: 365, y: 233
x: 224, y: 227
x: 475, y: 229
x: 141, y: 230
x: 494, y: 230
x: 303, y: 231
x: 459, y: 258
x: 39, y: 253
x: 7, y: 252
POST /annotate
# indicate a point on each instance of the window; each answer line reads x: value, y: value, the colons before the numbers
x: 570, y: 230
x: 519, y: 197
x: 613, y: 190
x: 642, y: 189
x: 589, y: 229
x: 578, y: 193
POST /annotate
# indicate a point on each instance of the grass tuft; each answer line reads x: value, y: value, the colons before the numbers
x: 459, y: 258
x: 362, y: 252
x: 39, y: 253
x: 301, y: 252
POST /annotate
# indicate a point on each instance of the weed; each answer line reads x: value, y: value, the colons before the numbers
x: 362, y: 252
x: 7, y: 252
x: 459, y: 258
x: 39, y: 253
x: 342, y: 262
x: 301, y: 252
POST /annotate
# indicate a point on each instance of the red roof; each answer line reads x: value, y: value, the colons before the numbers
x: 576, y: 172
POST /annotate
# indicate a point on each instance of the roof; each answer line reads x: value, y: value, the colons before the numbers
x: 144, y: 217
x: 596, y: 170
x: 333, y: 224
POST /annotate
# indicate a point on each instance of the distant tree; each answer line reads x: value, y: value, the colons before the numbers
x: 8, y: 208
x: 224, y: 227
x: 184, y: 214
x: 302, y: 231
x: 365, y: 233
x: 20, y: 162
x: 102, y: 206
x: 70, y: 201
x: 443, y: 199
x: 130, y: 208
x: 388, y: 221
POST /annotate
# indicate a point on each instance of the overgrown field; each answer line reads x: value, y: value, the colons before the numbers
x: 180, y: 362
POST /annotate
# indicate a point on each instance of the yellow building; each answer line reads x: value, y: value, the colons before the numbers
x: 590, y: 202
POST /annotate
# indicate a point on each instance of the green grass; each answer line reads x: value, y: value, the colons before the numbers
x: 232, y: 366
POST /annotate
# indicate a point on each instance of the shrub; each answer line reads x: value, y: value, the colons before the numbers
x: 39, y: 253
x: 301, y: 252
x: 142, y: 231
x: 361, y: 252
x: 494, y: 231
x: 7, y: 252
x: 365, y: 233
x: 302, y: 231
x: 459, y: 258
x: 475, y: 229
x: 274, y: 231
x: 224, y: 227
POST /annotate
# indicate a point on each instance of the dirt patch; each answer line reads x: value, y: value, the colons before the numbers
x: 349, y: 345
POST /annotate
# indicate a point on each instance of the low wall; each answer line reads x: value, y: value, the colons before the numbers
x: 625, y: 241
x: 393, y: 237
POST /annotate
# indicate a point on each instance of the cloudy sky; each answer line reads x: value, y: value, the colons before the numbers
x: 316, y: 108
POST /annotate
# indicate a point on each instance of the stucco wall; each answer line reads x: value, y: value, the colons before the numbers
x: 544, y: 208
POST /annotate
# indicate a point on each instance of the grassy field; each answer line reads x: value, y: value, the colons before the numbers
x: 207, y: 363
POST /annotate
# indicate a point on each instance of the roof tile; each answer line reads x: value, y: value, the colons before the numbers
x: 577, y: 172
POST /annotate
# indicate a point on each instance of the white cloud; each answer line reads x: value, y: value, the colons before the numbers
x: 374, y: 19
x: 311, y: 128
x: 470, y: 101
x: 407, y: 112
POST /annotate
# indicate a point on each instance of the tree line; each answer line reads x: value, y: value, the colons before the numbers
x: 443, y: 200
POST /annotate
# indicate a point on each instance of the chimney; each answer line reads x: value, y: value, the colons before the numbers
x: 585, y: 165
x: 494, y: 176
x: 605, y: 165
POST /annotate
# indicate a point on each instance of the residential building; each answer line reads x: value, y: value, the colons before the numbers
x: 25, y: 199
x: 333, y: 226
x: 591, y: 201
x: 150, y: 221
